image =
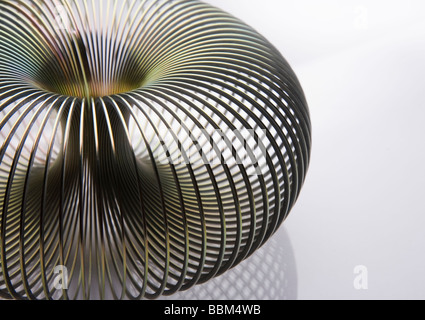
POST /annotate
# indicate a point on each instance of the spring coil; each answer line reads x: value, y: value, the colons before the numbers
x: 146, y: 146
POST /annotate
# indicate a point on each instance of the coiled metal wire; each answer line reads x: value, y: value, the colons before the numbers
x: 124, y: 156
x: 269, y: 274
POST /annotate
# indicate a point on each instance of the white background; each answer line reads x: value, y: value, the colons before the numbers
x: 362, y: 67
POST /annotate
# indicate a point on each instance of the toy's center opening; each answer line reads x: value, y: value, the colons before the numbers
x: 91, y: 68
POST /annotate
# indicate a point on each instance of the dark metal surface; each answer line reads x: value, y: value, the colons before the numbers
x: 109, y: 161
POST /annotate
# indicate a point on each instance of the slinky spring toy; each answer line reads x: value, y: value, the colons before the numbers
x: 146, y: 146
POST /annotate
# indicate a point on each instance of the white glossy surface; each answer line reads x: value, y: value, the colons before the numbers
x: 362, y: 66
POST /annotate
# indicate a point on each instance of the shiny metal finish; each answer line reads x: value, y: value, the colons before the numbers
x: 146, y: 146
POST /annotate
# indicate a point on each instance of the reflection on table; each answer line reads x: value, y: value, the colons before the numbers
x: 269, y: 274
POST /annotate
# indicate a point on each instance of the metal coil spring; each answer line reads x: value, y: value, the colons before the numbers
x: 146, y: 146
